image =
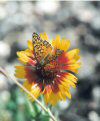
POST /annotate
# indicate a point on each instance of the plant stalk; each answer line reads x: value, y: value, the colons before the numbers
x: 22, y: 87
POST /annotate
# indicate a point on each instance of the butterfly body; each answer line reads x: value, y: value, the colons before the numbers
x: 43, y: 50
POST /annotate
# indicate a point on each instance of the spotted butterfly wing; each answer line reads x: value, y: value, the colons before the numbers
x: 41, y: 47
x: 43, y: 50
x: 53, y: 56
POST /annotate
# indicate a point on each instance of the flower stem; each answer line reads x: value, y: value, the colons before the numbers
x: 22, y: 87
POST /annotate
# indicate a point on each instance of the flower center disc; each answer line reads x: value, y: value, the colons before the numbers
x: 46, y: 75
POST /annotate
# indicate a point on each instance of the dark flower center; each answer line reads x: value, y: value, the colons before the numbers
x: 45, y: 75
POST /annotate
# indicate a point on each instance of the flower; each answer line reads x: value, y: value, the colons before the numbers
x: 48, y: 69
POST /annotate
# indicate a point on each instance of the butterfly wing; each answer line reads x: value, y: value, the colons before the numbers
x: 41, y: 47
x: 43, y: 50
x: 53, y: 56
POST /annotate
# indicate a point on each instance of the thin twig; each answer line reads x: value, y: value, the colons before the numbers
x: 22, y: 87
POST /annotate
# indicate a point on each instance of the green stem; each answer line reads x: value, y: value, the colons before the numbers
x: 22, y: 87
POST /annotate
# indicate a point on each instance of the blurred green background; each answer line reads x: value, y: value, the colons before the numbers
x: 77, y: 21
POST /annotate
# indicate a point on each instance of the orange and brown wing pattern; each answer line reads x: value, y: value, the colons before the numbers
x: 43, y: 50
x: 53, y: 56
x: 41, y: 47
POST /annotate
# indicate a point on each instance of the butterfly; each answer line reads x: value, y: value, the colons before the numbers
x: 44, y: 52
